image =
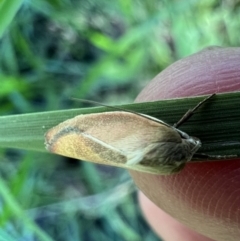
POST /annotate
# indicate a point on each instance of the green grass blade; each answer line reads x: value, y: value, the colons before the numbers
x: 216, y: 123
x: 8, y: 9
x: 17, y: 211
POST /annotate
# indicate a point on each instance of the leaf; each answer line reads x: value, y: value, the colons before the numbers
x: 216, y: 123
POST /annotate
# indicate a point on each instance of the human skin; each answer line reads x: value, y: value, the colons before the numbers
x: 202, y: 202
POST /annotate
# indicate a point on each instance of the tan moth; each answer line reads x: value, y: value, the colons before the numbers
x: 125, y: 139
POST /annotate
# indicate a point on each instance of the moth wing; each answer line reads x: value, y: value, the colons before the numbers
x: 135, y: 158
x: 160, y: 158
x: 85, y: 147
x: 114, y: 138
x: 123, y: 130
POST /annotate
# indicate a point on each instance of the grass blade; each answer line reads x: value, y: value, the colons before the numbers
x: 8, y: 9
x: 216, y: 123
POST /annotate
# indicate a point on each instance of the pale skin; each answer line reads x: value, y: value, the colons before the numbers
x: 202, y: 202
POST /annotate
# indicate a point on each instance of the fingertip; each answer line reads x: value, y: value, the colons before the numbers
x: 204, y: 196
x: 164, y: 225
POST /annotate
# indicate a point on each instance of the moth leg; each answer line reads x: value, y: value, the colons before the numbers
x: 190, y: 112
x: 201, y: 157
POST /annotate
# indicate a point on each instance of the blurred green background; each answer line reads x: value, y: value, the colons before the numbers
x: 100, y: 50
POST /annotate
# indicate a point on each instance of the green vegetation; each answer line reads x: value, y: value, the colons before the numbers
x: 102, y: 50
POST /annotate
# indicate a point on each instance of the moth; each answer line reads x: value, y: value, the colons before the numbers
x: 125, y: 139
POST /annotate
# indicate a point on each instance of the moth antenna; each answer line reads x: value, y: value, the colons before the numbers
x: 190, y: 112
x: 119, y: 108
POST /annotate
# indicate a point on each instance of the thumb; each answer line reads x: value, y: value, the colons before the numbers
x: 204, y: 196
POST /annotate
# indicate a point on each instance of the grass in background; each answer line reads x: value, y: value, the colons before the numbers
x: 100, y: 50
